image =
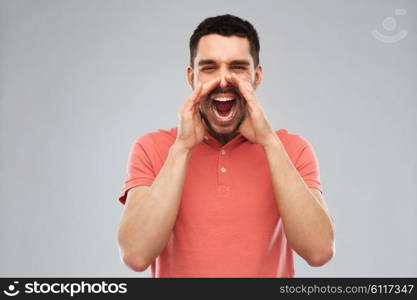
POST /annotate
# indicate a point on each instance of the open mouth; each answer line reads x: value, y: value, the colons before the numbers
x: 224, y: 107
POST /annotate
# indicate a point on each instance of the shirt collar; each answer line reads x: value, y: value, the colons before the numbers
x: 213, y: 142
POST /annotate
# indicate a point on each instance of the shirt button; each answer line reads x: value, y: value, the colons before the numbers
x: 223, y: 170
x: 223, y: 152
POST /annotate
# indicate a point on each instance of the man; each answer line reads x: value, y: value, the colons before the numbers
x: 223, y: 195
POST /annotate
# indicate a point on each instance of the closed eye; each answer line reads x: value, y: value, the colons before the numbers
x: 239, y: 67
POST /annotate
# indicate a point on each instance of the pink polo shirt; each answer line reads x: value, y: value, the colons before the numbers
x: 228, y: 224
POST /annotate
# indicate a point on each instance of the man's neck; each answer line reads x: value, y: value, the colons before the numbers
x: 224, y: 138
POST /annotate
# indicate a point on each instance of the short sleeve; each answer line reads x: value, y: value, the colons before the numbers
x: 139, y: 169
x: 308, y: 166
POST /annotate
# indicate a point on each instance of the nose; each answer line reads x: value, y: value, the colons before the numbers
x: 224, y: 84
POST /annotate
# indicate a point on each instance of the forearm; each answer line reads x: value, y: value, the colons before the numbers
x: 146, y: 227
x: 307, y: 223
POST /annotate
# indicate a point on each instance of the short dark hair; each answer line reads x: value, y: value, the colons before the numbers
x: 226, y: 25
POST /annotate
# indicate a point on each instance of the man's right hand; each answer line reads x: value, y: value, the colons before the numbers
x: 191, y: 128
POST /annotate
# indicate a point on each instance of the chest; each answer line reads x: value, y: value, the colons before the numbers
x: 227, y: 187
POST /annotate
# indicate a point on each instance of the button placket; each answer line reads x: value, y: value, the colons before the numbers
x: 222, y: 163
x: 223, y: 173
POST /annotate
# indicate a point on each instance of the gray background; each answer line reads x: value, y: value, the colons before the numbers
x: 80, y: 80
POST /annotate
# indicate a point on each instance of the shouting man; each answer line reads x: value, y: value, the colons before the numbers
x: 223, y: 194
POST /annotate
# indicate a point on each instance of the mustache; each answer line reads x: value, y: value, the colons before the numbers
x: 219, y: 90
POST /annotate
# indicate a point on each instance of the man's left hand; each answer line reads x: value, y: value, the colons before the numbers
x: 255, y: 127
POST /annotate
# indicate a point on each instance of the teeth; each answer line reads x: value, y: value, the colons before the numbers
x: 223, y: 99
x: 224, y: 118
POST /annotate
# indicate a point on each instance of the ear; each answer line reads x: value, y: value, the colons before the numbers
x: 258, y: 75
x: 190, y: 76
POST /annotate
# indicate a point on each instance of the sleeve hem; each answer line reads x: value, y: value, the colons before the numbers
x: 313, y: 184
x: 131, y: 184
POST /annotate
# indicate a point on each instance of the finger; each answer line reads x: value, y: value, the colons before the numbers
x: 194, y: 95
x: 245, y: 88
x: 246, y: 91
x: 208, y: 86
x: 196, y: 116
x: 234, y: 80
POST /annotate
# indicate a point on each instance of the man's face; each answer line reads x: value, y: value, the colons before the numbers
x: 223, y: 109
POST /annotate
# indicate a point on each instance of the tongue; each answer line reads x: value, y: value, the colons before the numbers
x: 224, y: 108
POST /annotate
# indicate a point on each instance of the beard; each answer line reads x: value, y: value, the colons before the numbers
x: 207, y: 108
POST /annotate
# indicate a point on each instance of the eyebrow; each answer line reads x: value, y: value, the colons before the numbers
x: 242, y: 62
x: 206, y: 62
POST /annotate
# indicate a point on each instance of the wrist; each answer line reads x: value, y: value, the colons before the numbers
x: 180, y: 148
x: 272, y: 142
